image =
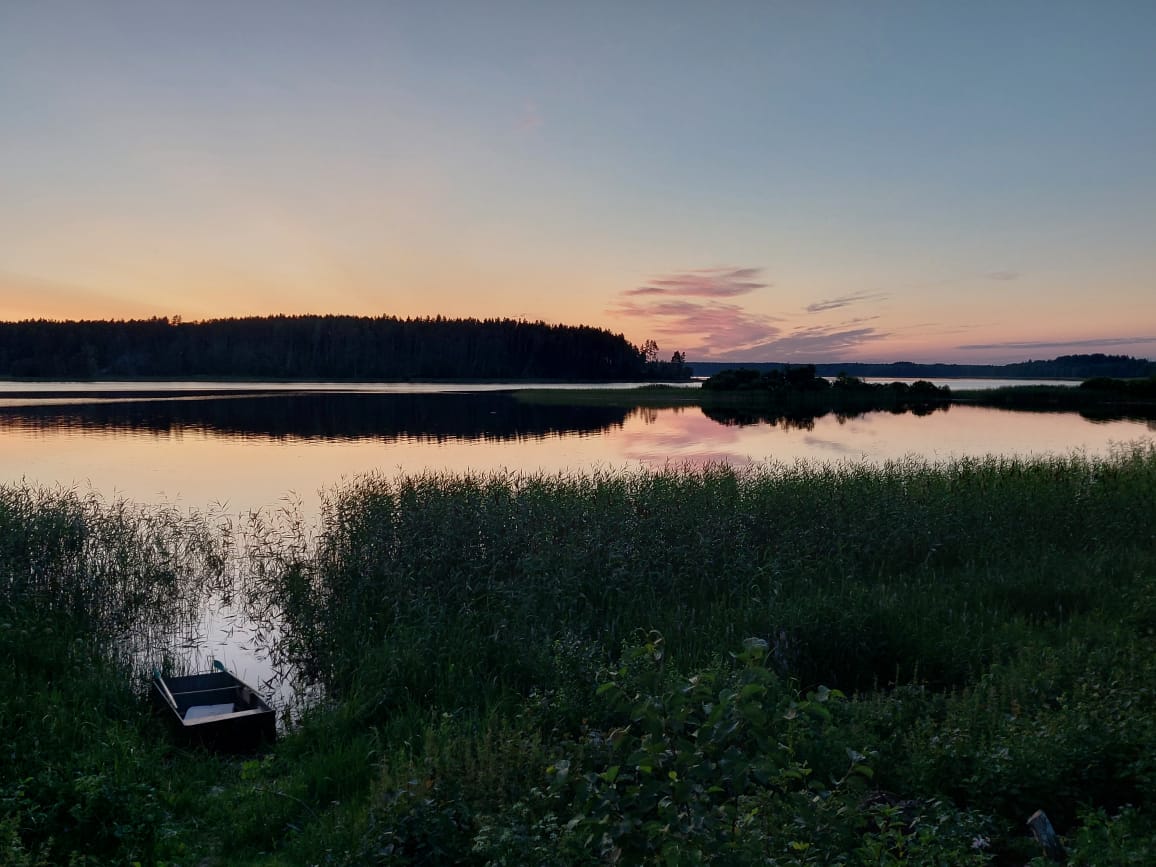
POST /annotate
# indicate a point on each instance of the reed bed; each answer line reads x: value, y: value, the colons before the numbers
x: 783, y: 664
x: 856, y: 573
x: 128, y: 573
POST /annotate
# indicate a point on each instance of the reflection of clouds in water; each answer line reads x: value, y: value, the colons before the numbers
x: 833, y: 446
x: 856, y: 425
x: 698, y: 459
x: 679, y: 437
x: 670, y: 435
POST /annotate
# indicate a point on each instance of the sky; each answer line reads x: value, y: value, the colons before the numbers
x: 759, y: 181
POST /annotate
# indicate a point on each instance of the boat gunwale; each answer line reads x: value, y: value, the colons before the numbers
x: 165, y: 683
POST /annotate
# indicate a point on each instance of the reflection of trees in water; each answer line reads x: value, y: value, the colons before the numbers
x: 804, y: 419
x: 444, y: 416
x: 648, y: 414
x: 1094, y: 414
x: 1144, y: 414
x: 745, y: 418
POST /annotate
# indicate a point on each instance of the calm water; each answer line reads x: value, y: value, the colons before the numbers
x: 246, y: 446
x: 238, y: 447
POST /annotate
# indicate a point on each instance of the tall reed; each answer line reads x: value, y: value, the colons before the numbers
x: 458, y: 586
x: 129, y: 575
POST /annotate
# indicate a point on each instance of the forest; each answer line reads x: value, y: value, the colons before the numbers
x: 326, y: 347
x: 1084, y: 366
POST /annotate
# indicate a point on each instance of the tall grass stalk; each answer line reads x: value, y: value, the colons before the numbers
x: 517, y: 666
x: 458, y: 586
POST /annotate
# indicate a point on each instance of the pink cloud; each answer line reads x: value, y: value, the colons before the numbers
x: 702, y: 328
x: 704, y: 283
x: 686, y: 311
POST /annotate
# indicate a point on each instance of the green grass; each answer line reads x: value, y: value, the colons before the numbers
x: 786, y: 664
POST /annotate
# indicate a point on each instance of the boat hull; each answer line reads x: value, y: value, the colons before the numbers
x: 215, y: 710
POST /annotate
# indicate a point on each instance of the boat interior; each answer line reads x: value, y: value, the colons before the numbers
x: 200, y: 696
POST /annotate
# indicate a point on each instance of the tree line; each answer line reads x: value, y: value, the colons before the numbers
x: 799, y: 392
x: 325, y: 347
x: 1083, y: 366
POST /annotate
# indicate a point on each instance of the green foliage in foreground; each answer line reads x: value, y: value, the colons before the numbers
x: 791, y: 665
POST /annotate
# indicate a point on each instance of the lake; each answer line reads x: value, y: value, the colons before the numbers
x: 234, y: 448
x: 239, y: 447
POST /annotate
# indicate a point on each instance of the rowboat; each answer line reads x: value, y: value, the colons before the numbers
x: 215, y: 709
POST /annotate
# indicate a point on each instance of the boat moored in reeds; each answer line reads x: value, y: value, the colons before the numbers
x: 215, y: 709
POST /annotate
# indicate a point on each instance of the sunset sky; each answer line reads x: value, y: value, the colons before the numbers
x: 874, y: 181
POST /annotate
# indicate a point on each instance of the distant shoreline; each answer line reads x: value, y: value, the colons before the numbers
x: 288, y: 380
x: 1112, y: 396
x: 1073, y: 367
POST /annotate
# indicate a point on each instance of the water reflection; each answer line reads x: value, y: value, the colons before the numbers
x: 248, y: 449
x: 804, y: 419
x: 692, y: 437
x: 321, y: 416
x: 1096, y: 414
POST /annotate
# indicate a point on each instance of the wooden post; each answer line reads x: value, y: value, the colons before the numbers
x: 1047, y: 837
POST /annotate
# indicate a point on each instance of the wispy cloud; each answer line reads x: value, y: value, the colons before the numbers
x: 844, y: 301
x: 702, y: 326
x: 819, y: 343
x: 1103, y: 342
x: 704, y: 283
x: 688, y: 309
x: 1002, y: 275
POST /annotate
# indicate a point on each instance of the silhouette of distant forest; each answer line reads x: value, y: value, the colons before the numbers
x: 1083, y: 366
x: 384, y: 348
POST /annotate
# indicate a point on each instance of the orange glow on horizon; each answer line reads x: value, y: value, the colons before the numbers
x: 915, y: 332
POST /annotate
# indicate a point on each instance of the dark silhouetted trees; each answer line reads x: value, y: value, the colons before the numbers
x: 1094, y: 364
x: 324, y: 347
x: 807, y: 394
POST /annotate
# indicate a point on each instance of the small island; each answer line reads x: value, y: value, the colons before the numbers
x: 1100, y: 397
x: 799, y: 394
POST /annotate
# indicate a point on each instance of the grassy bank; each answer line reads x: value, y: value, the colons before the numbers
x: 786, y: 665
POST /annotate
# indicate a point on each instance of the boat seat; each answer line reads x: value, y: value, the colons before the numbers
x: 198, y: 711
